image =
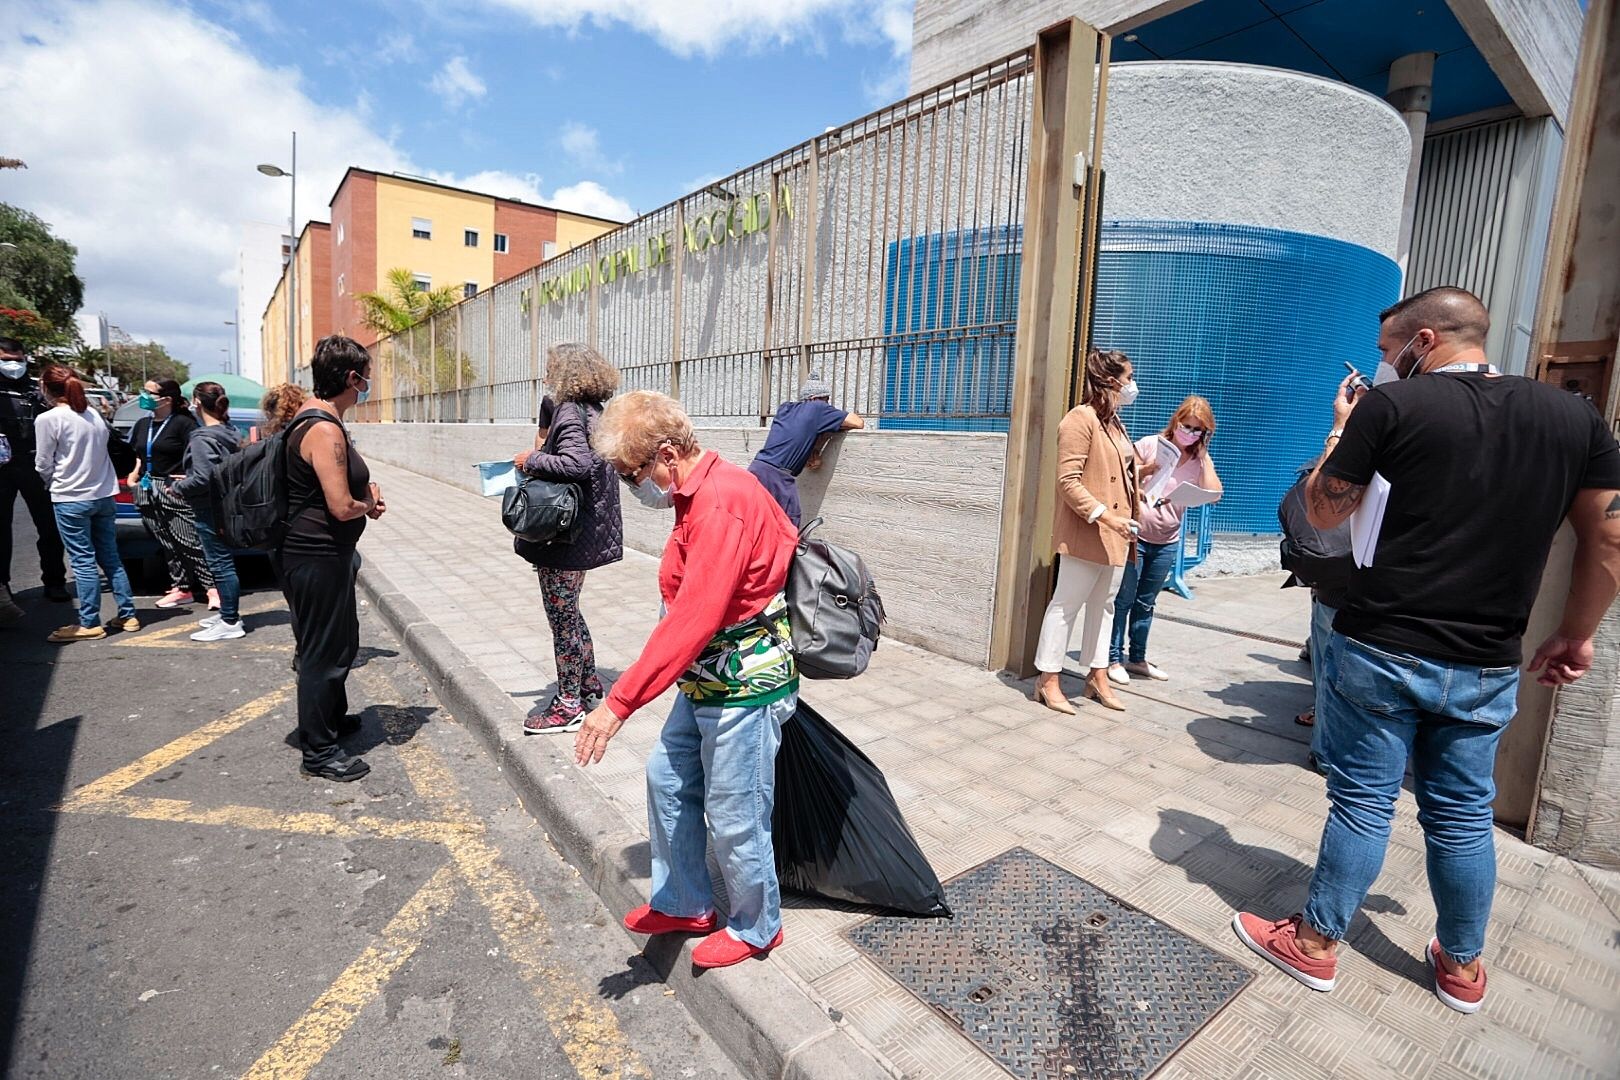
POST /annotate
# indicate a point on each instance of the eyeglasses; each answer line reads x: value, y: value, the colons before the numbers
x: 1192, y: 430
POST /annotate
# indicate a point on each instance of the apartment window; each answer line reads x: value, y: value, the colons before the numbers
x: 421, y: 228
x: 469, y: 237
x: 500, y: 243
x: 548, y: 248
x: 423, y: 282
x: 340, y: 232
x: 469, y: 290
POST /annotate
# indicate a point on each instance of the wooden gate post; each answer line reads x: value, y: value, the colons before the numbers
x: 1050, y: 283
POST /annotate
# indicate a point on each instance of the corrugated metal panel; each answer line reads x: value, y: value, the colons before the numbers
x: 1481, y: 220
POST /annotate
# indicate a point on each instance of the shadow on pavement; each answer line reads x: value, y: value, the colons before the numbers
x: 1272, y: 884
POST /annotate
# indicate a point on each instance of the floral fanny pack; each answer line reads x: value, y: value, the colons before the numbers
x: 745, y: 664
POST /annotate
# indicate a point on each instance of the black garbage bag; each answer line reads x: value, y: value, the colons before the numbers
x: 836, y: 828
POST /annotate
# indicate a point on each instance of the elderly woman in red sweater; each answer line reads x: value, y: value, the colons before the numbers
x: 721, y: 642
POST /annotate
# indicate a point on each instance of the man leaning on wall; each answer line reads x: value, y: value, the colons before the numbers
x: 1423, y: 662
x: 798, y: 435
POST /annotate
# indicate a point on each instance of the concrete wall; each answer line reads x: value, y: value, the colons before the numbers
x: 1246, y: 145
x: 922, y: 510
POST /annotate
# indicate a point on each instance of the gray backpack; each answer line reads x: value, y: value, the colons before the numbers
x: 834, y: 609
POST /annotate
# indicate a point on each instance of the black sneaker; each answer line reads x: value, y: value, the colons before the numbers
x: 341, y: 768
x: 57, y: 592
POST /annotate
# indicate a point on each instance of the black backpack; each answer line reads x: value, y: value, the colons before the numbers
x: 1315, y: 558
x: 248, y: 492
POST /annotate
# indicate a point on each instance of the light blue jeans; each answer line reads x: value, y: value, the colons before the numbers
x: 719, y: 764
x: 1381, y: 708
x: 1322, y: 618
x: 1139, y: 589
x: 221, y: 563
x: 90, y: 534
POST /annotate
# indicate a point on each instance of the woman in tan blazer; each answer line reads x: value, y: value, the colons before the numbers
x: 1094, y: 534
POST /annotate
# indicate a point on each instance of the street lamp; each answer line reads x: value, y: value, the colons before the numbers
x: 292, y: 254
x: 236, y: 363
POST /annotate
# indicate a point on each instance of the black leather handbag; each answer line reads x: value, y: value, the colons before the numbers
x: 542, y: 511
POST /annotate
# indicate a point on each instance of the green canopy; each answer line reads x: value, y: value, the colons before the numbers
x: 244, y: 393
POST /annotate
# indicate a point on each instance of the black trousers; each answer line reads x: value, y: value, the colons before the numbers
x: 326, y: 629
x: 19, y: 478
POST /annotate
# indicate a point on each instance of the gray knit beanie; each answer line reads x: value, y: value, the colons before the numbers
x: 815, y: 387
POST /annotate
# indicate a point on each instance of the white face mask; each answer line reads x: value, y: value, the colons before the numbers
x: 1388, y: 372
x: 1127, y: 394
x: 654, y: 497
x: 13, y: 369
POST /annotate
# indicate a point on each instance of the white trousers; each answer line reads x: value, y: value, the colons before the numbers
x: 1085, y: 590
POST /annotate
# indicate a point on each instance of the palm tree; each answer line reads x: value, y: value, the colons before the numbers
x: 404, y: 304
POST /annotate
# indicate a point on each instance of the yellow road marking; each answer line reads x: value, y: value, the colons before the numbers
x: 309, y: 823
x: 152, y: 639
x: 312, y: 1036
x: 118, y: 780
x: 586, y: 1029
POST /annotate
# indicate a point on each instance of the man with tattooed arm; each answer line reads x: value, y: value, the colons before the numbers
x: 1423, y: 664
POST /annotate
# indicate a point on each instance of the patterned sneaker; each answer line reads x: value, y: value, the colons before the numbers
x: 1278, y: 943
x: 558, y: 716
x: 174, y: 598
x: 594, y: 693
x: 1454, y: 990
x: 75, y: 632
x: 720, y: 949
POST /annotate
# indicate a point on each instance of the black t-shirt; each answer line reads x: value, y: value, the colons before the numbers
x: 168, y: 444
x: 1482, y: 471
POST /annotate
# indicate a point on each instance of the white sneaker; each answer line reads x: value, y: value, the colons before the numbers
x: 220, y: 631
x: 209, y: 621
x: 1148, y: 670
x: 1118, y: 676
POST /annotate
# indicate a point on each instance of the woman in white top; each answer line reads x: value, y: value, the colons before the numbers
x: 1189, y: 431
x: 71, y: 457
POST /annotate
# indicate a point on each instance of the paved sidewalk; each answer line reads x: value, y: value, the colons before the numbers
x: 1194, y: 802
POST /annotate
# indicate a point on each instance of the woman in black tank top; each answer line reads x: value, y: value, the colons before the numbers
x: 330, y: 496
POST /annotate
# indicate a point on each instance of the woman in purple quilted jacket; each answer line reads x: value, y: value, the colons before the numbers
x: 579, y: 381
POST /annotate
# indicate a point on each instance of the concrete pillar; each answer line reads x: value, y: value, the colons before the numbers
x: 1411, y: 90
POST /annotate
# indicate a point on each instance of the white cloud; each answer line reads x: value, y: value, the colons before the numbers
x: 456, y: 83
x: 584, y: 149
x: 589, y: 197
x: 154, y: 182
x: 707, y: 27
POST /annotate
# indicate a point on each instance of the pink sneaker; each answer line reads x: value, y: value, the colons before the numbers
x: 174, y: 598
x: 720, y: 949
x: 1454, y: 990
x: 1278, y: 943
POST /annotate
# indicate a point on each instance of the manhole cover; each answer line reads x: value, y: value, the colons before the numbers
x: 1053, y: 977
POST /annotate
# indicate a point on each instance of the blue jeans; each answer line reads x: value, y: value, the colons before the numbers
x: 1138, y: 594
x: 718, y: 763
x: 90, y: 534
x: 222, y: 564
x: 1322, y: 618
x: 1381, y: 708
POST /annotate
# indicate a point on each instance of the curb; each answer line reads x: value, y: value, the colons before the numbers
x: 762, y: 1016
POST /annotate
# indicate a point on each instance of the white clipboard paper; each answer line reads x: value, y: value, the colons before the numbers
x: 1187, y: 495
x: 1367, y: 521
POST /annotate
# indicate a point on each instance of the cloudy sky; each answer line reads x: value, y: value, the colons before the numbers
x: 142, y: 120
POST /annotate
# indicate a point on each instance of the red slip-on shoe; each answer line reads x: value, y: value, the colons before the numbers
x: 1456, y: 991
x: 720, y: 950
x: 644, y: 920
x: 1278, y: 943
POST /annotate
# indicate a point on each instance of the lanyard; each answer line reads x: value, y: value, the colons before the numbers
x: 151, y: 437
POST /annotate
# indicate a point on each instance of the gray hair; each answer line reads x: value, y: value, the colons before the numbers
x: 815, y: 387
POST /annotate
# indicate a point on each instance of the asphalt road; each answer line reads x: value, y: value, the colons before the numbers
x: 179, y: 902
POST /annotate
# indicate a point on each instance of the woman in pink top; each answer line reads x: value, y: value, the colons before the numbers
x: 1190, y: 430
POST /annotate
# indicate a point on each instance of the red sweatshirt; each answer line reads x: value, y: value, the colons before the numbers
x: 738, y: 543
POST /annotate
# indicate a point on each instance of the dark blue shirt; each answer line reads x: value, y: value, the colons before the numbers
x: 794, y: 432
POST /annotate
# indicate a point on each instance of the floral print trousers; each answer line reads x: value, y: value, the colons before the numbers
x: 570, y: 637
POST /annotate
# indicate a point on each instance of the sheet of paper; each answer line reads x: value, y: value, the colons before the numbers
x: 1187, y: 495
x: 496, y: 476
x: 1166, y: 453
x: 1367, y: 520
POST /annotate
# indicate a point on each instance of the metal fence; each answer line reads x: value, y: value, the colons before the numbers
x: 881, y: 255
